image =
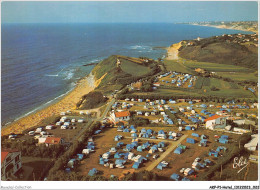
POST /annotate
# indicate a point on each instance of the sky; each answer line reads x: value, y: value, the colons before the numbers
x: 127, y: 11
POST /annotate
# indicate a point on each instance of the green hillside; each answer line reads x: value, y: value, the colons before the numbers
x: 114, y: 75
x: 228, y: 50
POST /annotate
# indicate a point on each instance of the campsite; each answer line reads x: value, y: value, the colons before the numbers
x: 104, y: 141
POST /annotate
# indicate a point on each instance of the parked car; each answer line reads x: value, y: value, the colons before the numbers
x: 182, y: 170
x: 197, y: 159
x: 164, y: 162
x: 155, y: 156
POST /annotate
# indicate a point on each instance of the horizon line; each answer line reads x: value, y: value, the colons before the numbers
x: 187, y: 22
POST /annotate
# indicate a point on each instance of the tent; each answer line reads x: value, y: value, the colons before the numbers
x: 139, y: 149
x: 195, y: 135
x: 145, y: 135
x: 134, y: 135
x: 190, y: 140
x: 175, y: 177
x: 133, y: 131
x: 149, y: 131
x: 171, y: 137
x: 135, y: 143
x: 213, y: 153
x: 203, y: 136
x: 185, y: 179
x: 221, y: 148
x: 178, y: 150
x: 160, y: 166
x: 71, y: 163
x: 155, y: 147
x: 183, y: 147
x: 208, y: 162
x: 223, y: 141
x: 132, y: 127
x: 161, y: 132
x: 106, y: 155
x: 101, y: 161
x: 80, y: 156
x: 129, y: 147
x: 203, y: 142
x: 118, y: 137
x: 136, y: 165
x: 224, y: 137
x: 112, y: 149
x: 97, y: 132
x: 187, y: 128
x: 120, y: 162
x: 126, y: 130
x: 143, y: 130
x: 117, y: 155
x: 92, y: 172
x: 120, y: 144
x: 161, y: 144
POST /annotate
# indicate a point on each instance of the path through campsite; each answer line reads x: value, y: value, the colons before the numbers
x: 174, y: 144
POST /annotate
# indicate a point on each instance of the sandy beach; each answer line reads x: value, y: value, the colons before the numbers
x: 68, y: 102
x: 223, y: 26
x: 172, y: 51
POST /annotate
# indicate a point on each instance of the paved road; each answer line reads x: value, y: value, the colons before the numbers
x: 107, y: 109
x: 149, y: 139
x: 97, y: 119
x: 174, y: 144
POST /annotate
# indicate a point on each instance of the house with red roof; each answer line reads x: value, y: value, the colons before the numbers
x: 215, y: 121
x: 120, y: 116
x: 10, y: 163
x: 53, y: 141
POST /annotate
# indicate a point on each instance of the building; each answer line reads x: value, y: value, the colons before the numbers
x: 252, y: 145
x: 53, y: 141
x: 215, y: 121
x: 10, y: 163
x: 120, y: 116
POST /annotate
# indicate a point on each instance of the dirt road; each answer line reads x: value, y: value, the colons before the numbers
x: 173, y: 145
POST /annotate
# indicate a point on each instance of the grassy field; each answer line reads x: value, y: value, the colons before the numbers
x: 133, y: 68
x: 215, y: 51
x: 215, y: 67
x: 239, y: 76
x: 177, y: 66
x: 230, y: 92
x: 36, y: 168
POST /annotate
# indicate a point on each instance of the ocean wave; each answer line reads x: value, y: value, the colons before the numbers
x: 68, y: 74
x: 140, y: 47
x: 51, y: 75
x: 95, y: 60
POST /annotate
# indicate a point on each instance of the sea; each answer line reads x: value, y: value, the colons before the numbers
x: 40, y: 63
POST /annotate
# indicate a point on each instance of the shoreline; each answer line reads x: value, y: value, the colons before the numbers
x: 67, y: 102
x: 224, y: 27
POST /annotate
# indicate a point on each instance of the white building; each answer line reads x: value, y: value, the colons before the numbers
x: 10, y: 163
x: 216, y: 121
x: 252, y: 145
x: 120, y: 116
